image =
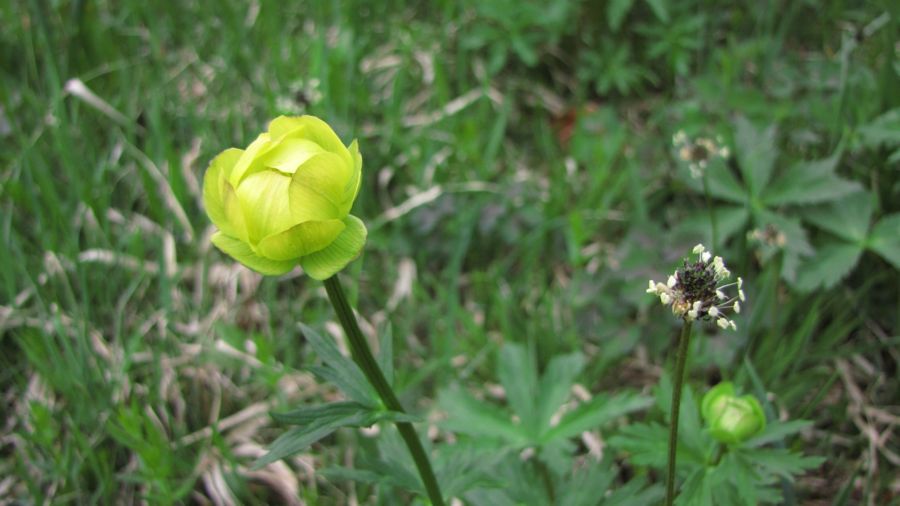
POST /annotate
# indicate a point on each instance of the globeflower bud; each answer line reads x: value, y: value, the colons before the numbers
x: 732, y: 419
x: 286, y: 199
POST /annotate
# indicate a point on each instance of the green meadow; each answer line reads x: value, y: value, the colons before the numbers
x: 527, y: 168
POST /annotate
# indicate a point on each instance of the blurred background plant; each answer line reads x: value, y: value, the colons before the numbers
x: 520, y: 187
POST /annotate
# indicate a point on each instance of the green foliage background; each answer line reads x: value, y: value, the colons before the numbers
x: 520, y: 188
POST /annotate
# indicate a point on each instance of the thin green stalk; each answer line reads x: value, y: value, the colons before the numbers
x: 362, y: 355
x: 683, y: 344
x: 720, y: 452
x: 545, y: 475
x: 712, y: 214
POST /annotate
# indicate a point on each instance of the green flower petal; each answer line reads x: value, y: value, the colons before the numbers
x: 217, y: 191
x: 327, y: 174
x: 289, y: 154
x: 283, y: 125
x: 323, y: 264
x: 247, y: 165
x: 352, y: 189
x: 301, y: 239
x: 241, y: 252
x: 758, y: 412
x: 312, y: 128
x: 713, y: 401
x: 264, y: 201
x: 317, y: 189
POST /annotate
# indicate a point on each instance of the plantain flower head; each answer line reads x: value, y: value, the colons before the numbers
x: 696, y: 291
x: 698, y: 152
x: 286, y: 199
x: 732, y: 419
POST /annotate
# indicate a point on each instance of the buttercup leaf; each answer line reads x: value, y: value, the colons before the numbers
x: 885, y: 239
x: 847, y: 218
x: 756, y: 152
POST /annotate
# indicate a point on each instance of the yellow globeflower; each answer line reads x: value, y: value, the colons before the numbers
x: 286, y: 199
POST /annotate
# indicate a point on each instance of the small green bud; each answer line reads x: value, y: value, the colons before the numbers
x: 732, y: 419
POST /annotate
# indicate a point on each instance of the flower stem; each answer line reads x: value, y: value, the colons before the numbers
x: 544, y: 471
x: 712, y: 214
x: 683, y: 343
x: 362, y: 355
x: 720, y: 452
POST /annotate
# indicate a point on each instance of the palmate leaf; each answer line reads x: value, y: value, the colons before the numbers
x: 595, y: 413
x: 634, y: 492
x: 522, y: 486
x: 555, y: 384
x: 534, y: 400
x: 722, y: 184
x: 809, y: 183
x: 592, y: 486
x: 751, y: 486
x: 470, y: 416
x: 735, y: 483
x: 777, y: 431
x: 830, y: 264
x: 646, y: 444
x: 778, y: 461
x: 317, y: 422
x: 519, y: 483
x: 395, y: 462
x: 659, y: 8
x: 744, y: 478
x: 299, y: 438
x: 340, y: 370
x: 616, y: 11
x: 457, y: 467
x: 586, y: 485
x: 756, y: 153
x: 884, y: 129
x: 355, y: 390
x: 388, y: 474
x: 730, y: 220
x: 697, y: 490
x: 309, y: 415
x: 517, y: 370
x: 557, y: 454
x: 885, y: 239
x: 462, y: 467
x: 847, y: 218
x: 797, y: 245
